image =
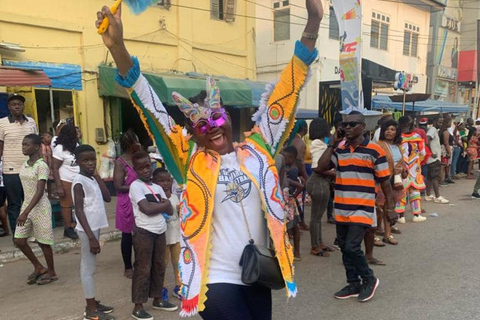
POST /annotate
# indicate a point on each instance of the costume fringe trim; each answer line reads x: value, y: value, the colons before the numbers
x: 189, y: 307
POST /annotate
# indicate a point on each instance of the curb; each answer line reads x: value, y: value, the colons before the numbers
x: 60, y: 247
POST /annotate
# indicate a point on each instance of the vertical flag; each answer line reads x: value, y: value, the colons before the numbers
x: 349, y: 17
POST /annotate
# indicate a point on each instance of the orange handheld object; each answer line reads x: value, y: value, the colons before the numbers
x: 105, y: 23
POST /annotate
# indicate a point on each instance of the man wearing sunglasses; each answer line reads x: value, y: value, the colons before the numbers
x: 360, y: 165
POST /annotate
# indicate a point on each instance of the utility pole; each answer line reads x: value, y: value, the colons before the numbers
x: 477, y: 91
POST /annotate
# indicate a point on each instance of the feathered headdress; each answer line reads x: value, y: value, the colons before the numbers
x: 195, y: 112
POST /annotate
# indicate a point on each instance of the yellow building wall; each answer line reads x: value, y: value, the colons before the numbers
x: 182, y: 38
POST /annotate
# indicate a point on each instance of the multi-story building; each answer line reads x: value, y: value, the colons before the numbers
x: 467, y: 67
x: 443, y: 56
x: 395, y: 37
x: 177, y: 43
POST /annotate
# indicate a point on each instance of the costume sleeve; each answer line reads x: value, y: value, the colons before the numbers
x: 171, y: 140
x: 421, y: 150
x: 275, y: 117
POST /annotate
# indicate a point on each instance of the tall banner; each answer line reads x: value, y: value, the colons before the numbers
x: 349, y: 17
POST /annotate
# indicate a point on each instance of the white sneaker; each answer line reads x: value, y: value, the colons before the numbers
x: 401, y: 220
x: 429, y: 198
x: 419, y: 218
x: 441, y: 200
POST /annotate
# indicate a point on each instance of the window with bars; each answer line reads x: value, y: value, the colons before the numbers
x: 281, y: 25
x: 333, y: 29
x: 379, y: 31
x: 410, y: 40
x: 223, y: 10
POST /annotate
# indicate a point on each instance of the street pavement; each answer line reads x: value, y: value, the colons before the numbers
x: 431, y: 274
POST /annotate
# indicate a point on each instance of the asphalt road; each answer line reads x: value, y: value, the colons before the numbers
x: 432, y: 274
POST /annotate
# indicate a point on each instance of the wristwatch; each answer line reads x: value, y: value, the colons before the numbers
x: 311, y: 36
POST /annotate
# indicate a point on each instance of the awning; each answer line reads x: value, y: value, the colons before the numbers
x: 234, y: 92
x: 10, y: 77
x: 377, y: 72
x: 306, y: 114
x: 430, y: 105
x: 62, y: 76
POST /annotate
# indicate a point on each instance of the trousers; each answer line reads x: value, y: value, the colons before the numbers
x: 149, y: 265
x: 227, y: 301
x: 350, y: 239
x: 88, y: 264
x: 14, y: 191
x: 319, y: 189
x: 413, y: 196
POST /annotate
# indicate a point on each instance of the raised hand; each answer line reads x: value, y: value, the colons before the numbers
x: 114, y: 35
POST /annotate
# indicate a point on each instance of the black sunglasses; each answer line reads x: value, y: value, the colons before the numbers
x: 351, y: 124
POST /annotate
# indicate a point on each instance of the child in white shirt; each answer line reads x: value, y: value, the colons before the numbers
x: 164, y: 179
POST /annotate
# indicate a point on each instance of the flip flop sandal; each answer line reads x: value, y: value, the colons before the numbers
x: 390, y: 240
x: 32, y: 279
x: 328, y: 249
x: 46, y: 279
x: 378, y: 242
x: 376, y: 262
x: 320, y: 254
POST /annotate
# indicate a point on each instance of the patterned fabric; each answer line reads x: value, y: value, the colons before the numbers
x: 413, y: 196
x: 198, y: 169
x: 39, y: 222
x: 413, y: 151
x: 358, y: 171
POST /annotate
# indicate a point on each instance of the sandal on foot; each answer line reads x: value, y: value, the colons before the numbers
x: 378, y: 242
x: 376, y: 262
x: 46, y: 279
x: 328, y: 249
x: 395, y: 230
x: 32, y: 279
x: 390, y: 240
x: 320, y: 253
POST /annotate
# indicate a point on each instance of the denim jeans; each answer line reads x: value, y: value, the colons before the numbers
x: 350, y: 239
x: 14, y: 191
x: 456, y: 155
x: 319, y: 190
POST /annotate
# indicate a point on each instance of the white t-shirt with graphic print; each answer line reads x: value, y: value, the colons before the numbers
x: 69, y: 169
x: 230, y: 235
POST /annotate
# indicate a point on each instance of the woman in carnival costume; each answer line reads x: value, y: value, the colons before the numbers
x: 223, y: 182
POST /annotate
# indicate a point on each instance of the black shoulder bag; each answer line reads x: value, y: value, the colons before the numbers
x: 259, y: 265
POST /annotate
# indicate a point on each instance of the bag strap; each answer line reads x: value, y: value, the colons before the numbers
x: 153, y: 193
x: 251, y: 241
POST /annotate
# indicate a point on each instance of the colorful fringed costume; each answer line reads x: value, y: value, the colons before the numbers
x: 198, y: 169
x: 413, y: 152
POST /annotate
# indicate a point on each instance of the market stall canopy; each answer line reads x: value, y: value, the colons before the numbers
x: 11, y: 77
x: 430, y: 105
x: 62, y: 75
x: 307, y: 114
x: 234, y: 92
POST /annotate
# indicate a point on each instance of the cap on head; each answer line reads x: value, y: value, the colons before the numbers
x: 423, y: 121
x: 15, y: 96
x: 478, y: 120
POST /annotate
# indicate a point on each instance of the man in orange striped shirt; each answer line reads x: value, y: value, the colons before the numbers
x: 360, y: 165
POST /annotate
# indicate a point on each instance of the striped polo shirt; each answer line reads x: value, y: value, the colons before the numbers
x: 12, y: 133
x: 358, y: 171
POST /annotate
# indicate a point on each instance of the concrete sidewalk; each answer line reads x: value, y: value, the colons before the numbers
x: 9, y: 253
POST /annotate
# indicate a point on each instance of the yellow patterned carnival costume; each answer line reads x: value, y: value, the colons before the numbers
x: 197, y: 169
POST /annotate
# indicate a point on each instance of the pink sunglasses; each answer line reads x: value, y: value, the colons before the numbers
x: 215, y: 120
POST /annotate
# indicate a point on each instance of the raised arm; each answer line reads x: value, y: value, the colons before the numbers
x: 275, y: 117
x: 172, y: 143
